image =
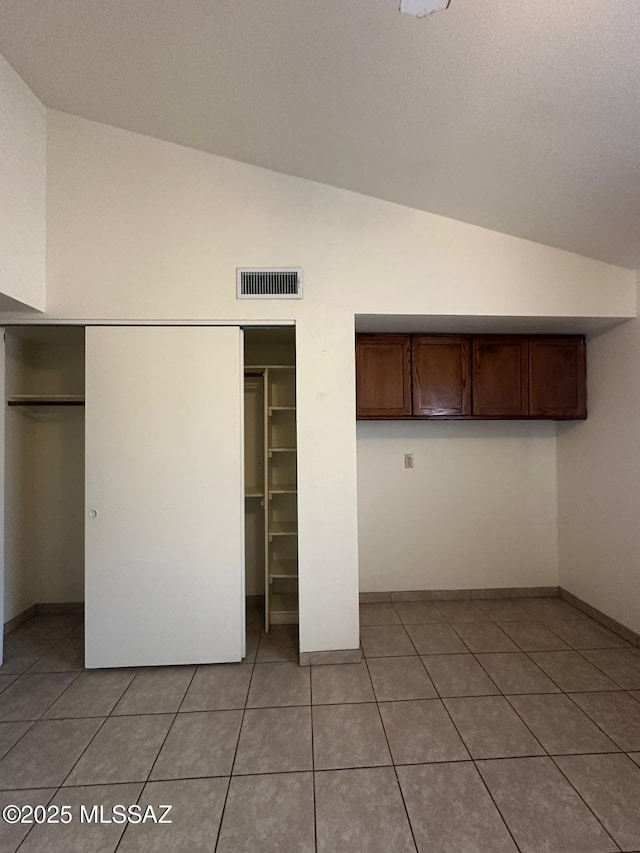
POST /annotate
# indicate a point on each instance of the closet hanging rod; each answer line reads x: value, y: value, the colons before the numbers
x: 52, y: 400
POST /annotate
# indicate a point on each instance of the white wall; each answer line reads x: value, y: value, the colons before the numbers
x: 22, y: 194
x: 139, y: 228
x: 477, y: 510
x: 599, y: 482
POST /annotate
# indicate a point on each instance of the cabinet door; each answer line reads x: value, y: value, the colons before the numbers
x: 441, y: 366
x: 383, y: 376
x: 500, y: 386
x: 557, y: 378
x: 164, y: 522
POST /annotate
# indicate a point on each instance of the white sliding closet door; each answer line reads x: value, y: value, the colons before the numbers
x: 164, y: 496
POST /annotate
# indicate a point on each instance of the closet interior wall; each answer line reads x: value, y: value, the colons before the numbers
x: 44, y: 469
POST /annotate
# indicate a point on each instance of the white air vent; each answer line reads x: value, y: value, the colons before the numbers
x: 275, y: 283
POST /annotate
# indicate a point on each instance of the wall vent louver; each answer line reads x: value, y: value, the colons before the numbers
x: 275, y: 283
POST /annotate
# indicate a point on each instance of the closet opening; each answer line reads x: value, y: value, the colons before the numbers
x: 271, y: 501
x: 44, y: 471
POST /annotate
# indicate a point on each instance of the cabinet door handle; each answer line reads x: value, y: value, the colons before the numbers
x: 93, y: 513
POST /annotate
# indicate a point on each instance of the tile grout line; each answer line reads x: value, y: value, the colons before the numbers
x: 33, y: 826
x: 599, y: 668
x: 54, y: 719
x: 596, y: 724
x: 556, y: 682
x: 473, y: 761
x: 580, y: 652
x: 59, y: 787
x: 144, y: 784
x: 561, y: 692
x: 504, y: 693
x: 546, y: 753
x: 313, y: 763
x: 393, y: 764
x: 582, y: 799
x: 235, y: 752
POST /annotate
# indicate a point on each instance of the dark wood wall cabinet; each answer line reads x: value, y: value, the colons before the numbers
x: 383, y: 376
x: 471, y: 377
x: 440, y: 372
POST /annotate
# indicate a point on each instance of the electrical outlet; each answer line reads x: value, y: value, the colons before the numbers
x: 408, y: 460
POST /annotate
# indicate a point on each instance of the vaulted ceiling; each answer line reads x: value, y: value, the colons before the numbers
x: 518, y: 115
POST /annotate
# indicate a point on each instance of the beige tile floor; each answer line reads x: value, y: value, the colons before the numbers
x: 469, y: 727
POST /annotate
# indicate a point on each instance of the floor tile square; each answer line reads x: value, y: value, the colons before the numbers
x: 338, y: 684
x: 617, y: 714
x: 158, y: 690
x: 553, y: 609
x: 418, y: 612
x: 386, y: 641
x: 533, y: 636
x: 280, y: 644
x: 516, y: 673
x: 92, y: 694
x: 560, y: 725
x: 484, y: 637
x: 46, y: 753
x: 6, y: 680
x: 435, y: 639
x: 11, y: 834
x: 87, y: 835
x: 461, y: 611
x: 621, y: 665
x: 378, y: 614
x: 610, y: 786
x: 65, y: 655
x: 348, y: 736
x: 421, y: 731
x: 254, y: 618
x: 541, y: 809
x: 50, y: 626
x: 635, y: 756
x: 450, y: 810
x: 490, y: 728
x: 218, y: 687
x: 585, y: 635
x: 21, y: 653
x: 199, y: 744
x: 400, y: 678
x: 530, y: 610
x: 278, y: 684
x: 274, y: 740
x: 196, y: 812
x: 459, y: 675
x: 123, y: 750
x: 571, y: 672
x: 361, y: 810
x: 30, y: 695
x: 270, y: 814
x: 507, y: 610
x: 10, y: 734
